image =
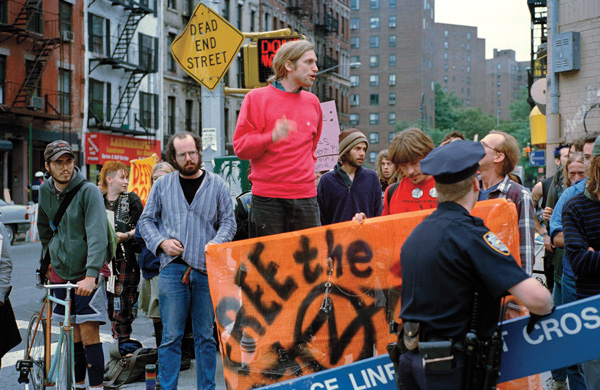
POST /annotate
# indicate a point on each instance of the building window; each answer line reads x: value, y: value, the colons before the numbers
x: 374, y: 119
x: 97, y: 100
x: 354, y: 5
x: 171, y: 115
x: 374, y: 23
x: 64, y: 92
x: 374, y: 80
x: 2, y: 79
x: 392, y: 79
x: 374, y: 41
x: 172, y: 4
x: 354, y: 119
x: 392, y: 4
x: 189, y: 110
x: 392, y: 118
x: 354, y: 100
x: 392, y: 41
x: 147, y: 50
x: 148, y: 110
x: 374, y: 4
x: 391, y: 136
x: 374, y: 61
x: 354, y: 42
x: 373, y: 156
x: 392, y: 99
x: 354, y: 81
x: 96, y: 40
x: 354, y: 23
x: 374, y: 99
x: 392, y: 22
x: 171, y: 66
x: 373, y: 138
x: 355, y: 59
x: 66, y: 15
x: 392, y: 60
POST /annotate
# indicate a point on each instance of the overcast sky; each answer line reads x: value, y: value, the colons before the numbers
x: 504, y: 24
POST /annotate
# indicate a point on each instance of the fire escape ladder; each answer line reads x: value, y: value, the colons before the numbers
x: 126, y: 36
x: 43, y: 50
x: 133, y: 84
x: 30, y: 8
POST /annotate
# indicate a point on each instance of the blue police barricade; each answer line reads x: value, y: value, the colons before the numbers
x: 569, y: 336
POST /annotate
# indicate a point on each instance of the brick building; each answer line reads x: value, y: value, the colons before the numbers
x: 505, y: 76
x: 459, y: 65
x: 41, y: 87
x: 394, y: 42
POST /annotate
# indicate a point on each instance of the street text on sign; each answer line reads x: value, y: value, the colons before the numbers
x: 207, y: 46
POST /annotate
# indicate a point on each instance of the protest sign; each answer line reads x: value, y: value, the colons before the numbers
x: 140, y: 176
x: 327, y: 149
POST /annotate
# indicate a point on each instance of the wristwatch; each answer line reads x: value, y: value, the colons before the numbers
x: 128, y: 235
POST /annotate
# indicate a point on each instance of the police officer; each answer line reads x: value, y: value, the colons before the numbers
x: 439, y: 281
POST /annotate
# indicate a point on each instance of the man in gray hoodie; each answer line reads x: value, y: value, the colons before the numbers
x: 77, y: 249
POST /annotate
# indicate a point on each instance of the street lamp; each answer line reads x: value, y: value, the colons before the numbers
x: 353, y: 65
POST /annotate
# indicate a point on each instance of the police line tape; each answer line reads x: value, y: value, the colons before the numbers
x: 569, y: 336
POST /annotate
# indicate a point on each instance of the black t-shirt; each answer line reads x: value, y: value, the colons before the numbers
x: 447, y: 258
x: 190, y: 186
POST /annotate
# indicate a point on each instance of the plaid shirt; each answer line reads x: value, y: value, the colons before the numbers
x: 508, y: 189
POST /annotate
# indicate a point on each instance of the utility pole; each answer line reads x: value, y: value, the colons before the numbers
x: 213, y: 117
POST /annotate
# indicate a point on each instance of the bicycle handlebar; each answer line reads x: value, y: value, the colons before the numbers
x: 39, y: 285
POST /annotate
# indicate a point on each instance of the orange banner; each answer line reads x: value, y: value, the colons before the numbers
x: 140, y: 176
x: 296, y: 303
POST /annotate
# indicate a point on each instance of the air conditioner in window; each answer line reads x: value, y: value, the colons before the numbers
x: 36, y: 103
x: 67, y: 36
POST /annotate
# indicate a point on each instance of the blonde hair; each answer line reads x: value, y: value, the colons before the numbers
x: 291, y: 51
x: 593, y: 182
x: 575, y: 157
x: 455, y: 191
x: 110, y: 168
x: 162, y: 166
x: 379, y: 162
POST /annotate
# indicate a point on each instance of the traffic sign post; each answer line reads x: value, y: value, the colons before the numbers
x: 207, y: 46
x: 537, y: 158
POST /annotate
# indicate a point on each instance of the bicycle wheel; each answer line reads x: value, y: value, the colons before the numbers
x: 35, y: 350
x: 64, y: 373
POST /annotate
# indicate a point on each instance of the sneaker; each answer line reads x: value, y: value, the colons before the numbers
x: 553, y: 384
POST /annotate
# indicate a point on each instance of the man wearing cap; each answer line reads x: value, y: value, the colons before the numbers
x: 581, y: 224
x: 77, y: 247
x: 34, y: 187
x: 467, y: 258
x: 278, y: 130
x: 501, y: 155
x: 349, y: 188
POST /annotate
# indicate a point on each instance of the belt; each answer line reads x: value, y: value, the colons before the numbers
x: 457, y: 345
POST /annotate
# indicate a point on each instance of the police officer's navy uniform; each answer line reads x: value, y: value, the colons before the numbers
x: 447, y: 258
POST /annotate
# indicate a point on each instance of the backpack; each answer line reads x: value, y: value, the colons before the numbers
x: 390, y: 192
x: 127, y: 364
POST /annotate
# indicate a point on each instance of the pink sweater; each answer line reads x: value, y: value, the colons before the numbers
x: 284, y: 169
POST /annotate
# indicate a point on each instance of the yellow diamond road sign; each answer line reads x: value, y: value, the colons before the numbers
x: 207, y: 46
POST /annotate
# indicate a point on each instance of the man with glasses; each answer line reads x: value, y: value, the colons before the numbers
x: 77, y: 249
x: 186, y: 210
x: 502, y: 154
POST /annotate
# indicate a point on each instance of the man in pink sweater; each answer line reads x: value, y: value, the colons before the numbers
x: 278, y: 130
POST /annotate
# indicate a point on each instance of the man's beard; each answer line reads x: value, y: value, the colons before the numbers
x: 355, y: 163
x: 58, y: 174
x: 189, y: 169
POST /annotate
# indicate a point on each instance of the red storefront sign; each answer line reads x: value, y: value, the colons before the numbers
x: 100, y: 148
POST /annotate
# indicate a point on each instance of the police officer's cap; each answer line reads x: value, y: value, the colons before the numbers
x: 453, y: 162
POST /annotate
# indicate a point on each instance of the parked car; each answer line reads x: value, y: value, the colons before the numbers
x: 16, y: 218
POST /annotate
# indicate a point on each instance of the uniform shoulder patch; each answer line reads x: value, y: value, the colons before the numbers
x: 495, y: 243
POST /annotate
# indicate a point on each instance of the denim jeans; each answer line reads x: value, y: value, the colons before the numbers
x: 174, y: 299
x: 591, y: 373
x: 560, y: 374
x: 574, y: 373
x: 277, y: 215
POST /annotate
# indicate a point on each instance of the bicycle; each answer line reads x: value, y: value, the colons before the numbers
x: 38, y: 345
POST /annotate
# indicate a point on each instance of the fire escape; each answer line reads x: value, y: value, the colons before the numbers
x: 539, y: 41
x: 29, y: 24
x: 136, y: 66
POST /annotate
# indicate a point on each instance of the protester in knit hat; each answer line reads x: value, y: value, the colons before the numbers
x: 349, y: 188
x: 349, y: 138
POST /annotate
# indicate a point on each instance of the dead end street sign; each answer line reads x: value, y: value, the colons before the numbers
x: 207, y: 46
